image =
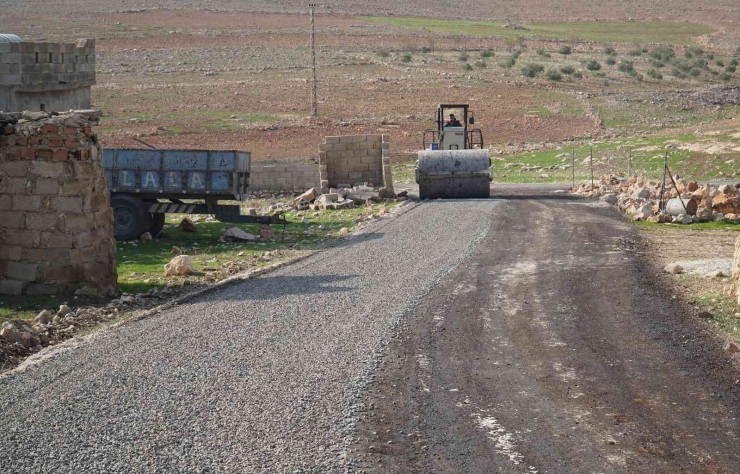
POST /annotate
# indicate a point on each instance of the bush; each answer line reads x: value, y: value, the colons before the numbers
x: 657, y: 63
x: 406, y: 57
x: 605, y: 83
x: 655, y: 74
x: 720, y: 63
x: 731, y: 68
x: 543, y: 53
x: 532, y: 69
x: 486, y: 53
x: 567, y: 69
x: 565, y: 50
x: 700, y: 64
x: 463, y: 57
x: 383, y: 53
x: 467, y: 67
x: 678, y: 74
x: 737, y: 51
x: 725, y: 76
x: 481, y: 64
x: 713, y: 72
x: 637, y: 76
x: 610, y: 61
x: 635, y: 52
x: 696, y: 51
x: 696, y: 72
x: 609, y: 51
x: 578, y: 75
x: 516, y: 54
x: 626, y: 67
x: 709, y: 56
x: 507, y: 63
x: 733, y: 62
x: 663, y: 54
x: 682, y: 65
x: 554, y: 75
x: 600, y: 74
x: 688, y: 54
x: 426, y: 49
x: 593, y: 65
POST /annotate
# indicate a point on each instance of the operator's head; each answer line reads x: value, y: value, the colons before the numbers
x: 452, y: 116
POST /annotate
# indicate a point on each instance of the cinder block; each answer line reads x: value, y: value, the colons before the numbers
x: 11, y: 287
x: 361, y: 167
x: 11, y: 252
x: 42, y: 220
x: 15, y: 185
x: 374, y: 138
x: 11, y: 58
x: 43, y: 289
x: 375, y: 166
x: 334, y: 154
x: 22, y: 271
x: 386, y: 138
x: 67, y: 204
x: 25, y: 238
x: 354, y: 174
x: 26, y: 203
x: 46, y: 169
x: 15, y: 169
x: 369, y: 159
x: 332, y: 139
x: 58, y: 256
x: 347, y: 139
x: 47, y: 186
x: 11, y: 220
x: 53, y: 240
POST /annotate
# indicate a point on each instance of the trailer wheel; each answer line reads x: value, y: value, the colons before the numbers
x: 157, y: 224
x: 128, y: 217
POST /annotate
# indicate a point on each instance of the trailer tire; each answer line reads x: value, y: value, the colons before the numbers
x: 157, y: 224
x: 129, y: 218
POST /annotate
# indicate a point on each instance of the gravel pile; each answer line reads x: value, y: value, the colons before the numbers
x: 264, y: 375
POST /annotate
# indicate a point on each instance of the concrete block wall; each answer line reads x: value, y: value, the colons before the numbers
x: 59, y: 76
x: 56, y: 224
x: 353, y: 159
x: 283, y: 175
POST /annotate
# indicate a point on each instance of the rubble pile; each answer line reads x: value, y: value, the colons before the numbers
x: 639, y: 198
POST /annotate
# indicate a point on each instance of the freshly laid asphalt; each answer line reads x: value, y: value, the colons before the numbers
x: 516, y: 334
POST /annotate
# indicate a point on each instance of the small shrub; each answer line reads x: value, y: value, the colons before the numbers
x: 406, y: 57
x: 637, y: 76
x: 688, y: 54
x: 593, y: 65
x: 516, y: 54
x: 467, y: 67
x: 605, y: 83
x: 578, y: 75
x: 663, y: 54
x: 655, y: 74
x: 733, y: 62
x: 709, y: 56
x: 696, y: 72
x: 426, y: 49
x: 611, y: 61
x: 713, y: 72
x: 383, y: 53
x: 463, y: 57
x: 532, y: 70
x: 626, y: 67
x: 725, y: 76
x: 609, y: 51
x: 731, y: 69
x: 635, y: 52
x: 657, y: 63
x: 554, y: 75
x: 700, y: 63
x: 565, y: 50
x: 481, y: 64
x: 644, y: 49
x: 567, y: 69
x: 507, y: 63
x: 486, y: 53
x: 678, y: 73
x: 737, y: 51
x: 543, y: 53
x: 600, y: 74
x: 720, y: 63
x: 696, y: 51
x: 682, y: 65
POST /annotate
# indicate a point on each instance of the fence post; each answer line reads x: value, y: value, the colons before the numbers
x: 592, y: 168
x: 573, y: 165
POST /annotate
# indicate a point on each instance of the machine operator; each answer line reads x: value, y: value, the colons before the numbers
x: 453, y: 122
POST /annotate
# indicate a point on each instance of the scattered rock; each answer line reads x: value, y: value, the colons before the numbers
x: 705, y: 315
x: 87, y: 291
x: 146, y: 236
x: 733, y: 347
x: 235, y: 233
x: 44, y: 317
x: 186, y: 225
x: 673, y: 268
x: 178, y: 266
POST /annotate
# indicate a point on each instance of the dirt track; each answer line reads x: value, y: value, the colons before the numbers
x: 552, y: 350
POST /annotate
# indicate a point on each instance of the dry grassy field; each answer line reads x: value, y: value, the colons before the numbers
x: 235, y: 75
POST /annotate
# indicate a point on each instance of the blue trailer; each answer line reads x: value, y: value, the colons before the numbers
x: 146, y: 184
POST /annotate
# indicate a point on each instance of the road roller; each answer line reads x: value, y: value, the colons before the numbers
x: 453, y: 163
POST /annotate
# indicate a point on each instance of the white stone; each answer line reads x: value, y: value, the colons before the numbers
x: 235, y: 233
x: 673, y: 268
x: 44, y: 317
x: 146, y: 236
x: 178, y: 266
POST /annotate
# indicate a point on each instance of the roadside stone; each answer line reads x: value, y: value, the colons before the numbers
x: 44, y: 317
x: 733, y: 347
x: 178, y: 266
x: 186, y: 225
x: 6, y: 331
x: 673, y: 268
x: 610, y: 199
x: 146, y: 236
x: 64, y: 310
x: 235, y: 233
x: 87, y: 291
x: 128, y: 299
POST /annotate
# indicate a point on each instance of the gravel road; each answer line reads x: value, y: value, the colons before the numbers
x: 554, y: 349
x: 261, y: 376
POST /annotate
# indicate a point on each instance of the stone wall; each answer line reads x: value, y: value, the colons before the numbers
x: 283, y: 175
x: 346, y: 160
x: 56, y: 224
x: 46, y: 76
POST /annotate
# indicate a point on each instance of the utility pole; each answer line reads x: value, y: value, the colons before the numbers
x: 314, y: 98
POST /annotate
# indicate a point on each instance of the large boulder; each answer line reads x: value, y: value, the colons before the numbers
x: 235, y: 233
x: 726, y: 204
x: 179, y: 266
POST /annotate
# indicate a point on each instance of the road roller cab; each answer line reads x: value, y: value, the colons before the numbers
x: 453, y: 162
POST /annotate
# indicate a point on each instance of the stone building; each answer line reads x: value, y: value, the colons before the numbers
x: 45, y: 76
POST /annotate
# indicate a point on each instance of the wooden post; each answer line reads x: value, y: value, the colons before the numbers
x: 314, y: 98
